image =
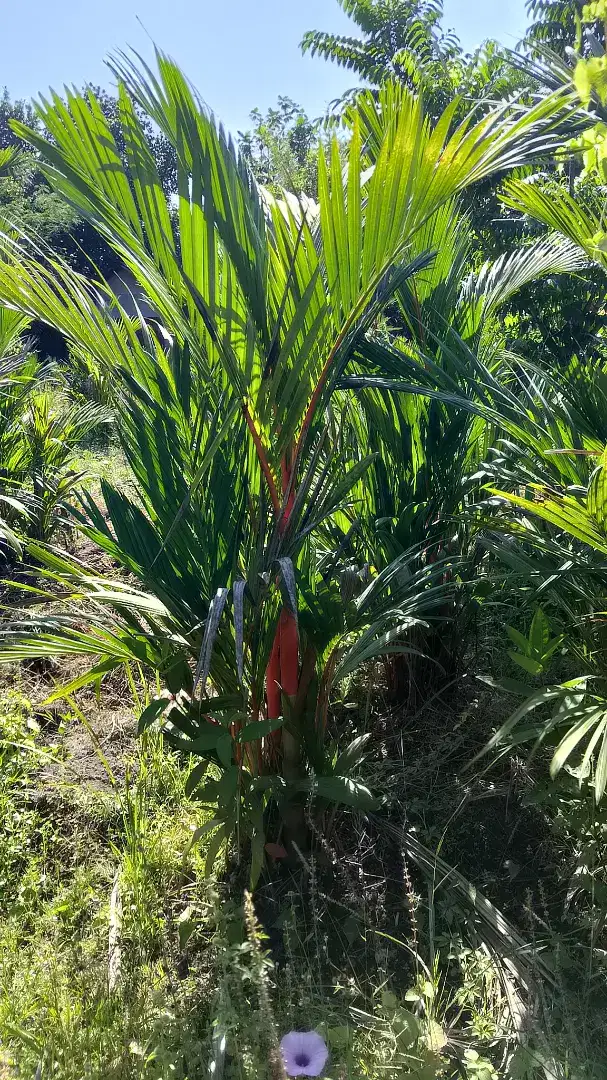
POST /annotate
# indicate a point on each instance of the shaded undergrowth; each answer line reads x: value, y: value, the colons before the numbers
x: 119, y: 958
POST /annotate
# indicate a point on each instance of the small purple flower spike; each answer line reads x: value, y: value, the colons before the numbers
x: 304, y: 1053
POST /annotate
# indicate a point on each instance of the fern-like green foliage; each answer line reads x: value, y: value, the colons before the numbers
x: 401, y: 39
x: 406, y: 41
x: 389, y: 29
x: 554, y: 23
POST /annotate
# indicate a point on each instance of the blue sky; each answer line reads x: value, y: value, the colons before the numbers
x: 239, y: 53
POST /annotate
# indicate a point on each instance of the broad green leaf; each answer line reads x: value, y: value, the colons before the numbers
x: 600, y: 779
x: 224, y: 748
x: 539, y: 634
x: 151, y: 713
x: 573, y: 737
x: 344, y: 791
x: 534, y: 667
x: 406, y: 1027
x: 216, y: 843
x: 198, y: 834
x: 353, y: 755
x: 540, y: 697
x: 196, y: 776
x: 519, y: 639
x: 206, y: 739
x: 258, y: 730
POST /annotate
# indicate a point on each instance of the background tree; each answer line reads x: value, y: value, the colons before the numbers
x: 554, y: 23
x: 22, y: 111
x: 394, y: 32
x: 280, y: 148
x: 405, y: 40
x: 28, y: 201
x: 162, y: 151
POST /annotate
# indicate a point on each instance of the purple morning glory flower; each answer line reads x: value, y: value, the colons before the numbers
x: 304, y: 1053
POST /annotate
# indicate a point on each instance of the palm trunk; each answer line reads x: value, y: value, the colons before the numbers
x: 282, y: 686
